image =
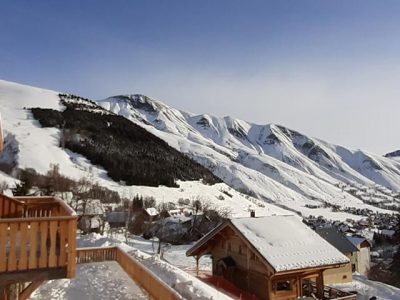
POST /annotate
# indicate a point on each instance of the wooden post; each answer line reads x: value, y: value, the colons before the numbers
x: 269, y: 287
x: 197, y: 265
x: 320, y: 285
x: 71, y: 267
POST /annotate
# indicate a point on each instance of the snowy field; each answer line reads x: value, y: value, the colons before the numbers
x: 95, y: 281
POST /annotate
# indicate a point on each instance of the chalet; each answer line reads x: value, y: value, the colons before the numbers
x: 341, y: 243
x: 117, y: 219
x: 361, y: 261
x: 91, y: 216
x: 274, y: 257
x: 152, y: 213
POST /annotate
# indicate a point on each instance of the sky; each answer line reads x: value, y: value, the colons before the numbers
x: 329, y: 69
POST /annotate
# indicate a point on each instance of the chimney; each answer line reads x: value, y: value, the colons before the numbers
x: 253, y: 213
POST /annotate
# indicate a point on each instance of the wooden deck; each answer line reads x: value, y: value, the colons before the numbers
x: 37, y: 240
x: 156, y: 288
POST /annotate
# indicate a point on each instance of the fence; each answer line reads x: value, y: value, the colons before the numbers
x: 36, y: 234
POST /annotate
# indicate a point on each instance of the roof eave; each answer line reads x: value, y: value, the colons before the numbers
x: 191, y: 251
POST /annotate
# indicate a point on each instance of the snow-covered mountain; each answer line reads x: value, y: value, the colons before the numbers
x: 394, y: 155
x: 268, y: 162
x: 29, y: 145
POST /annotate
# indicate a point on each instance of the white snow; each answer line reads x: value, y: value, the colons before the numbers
x: 268, y: 160
x: 187, y: 285
x: 239, y: 152
x: 94, y: 281
x: 288, y: 244
x: 152, y: 211
x: 368, y: 288
x: 172, y: 271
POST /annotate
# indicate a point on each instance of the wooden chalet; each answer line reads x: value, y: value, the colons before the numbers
x: 274, y: 257
x: 338, y: 240
x: 37, y: 243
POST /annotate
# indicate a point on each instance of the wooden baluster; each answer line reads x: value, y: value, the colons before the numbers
x: 3, y: 245
x: 53, y: 237
x: 33, y: 237
x: 1, y: 205
x: 62, y: 259
x: 23, y: 259
x: 43, y: 259
x: 12, y: 258
x: 12, y: 210
x: 6, y: 210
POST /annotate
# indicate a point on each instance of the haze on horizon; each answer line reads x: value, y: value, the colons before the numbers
x: 329, y: 69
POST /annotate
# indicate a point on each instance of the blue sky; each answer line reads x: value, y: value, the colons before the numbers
x: 327, y: 68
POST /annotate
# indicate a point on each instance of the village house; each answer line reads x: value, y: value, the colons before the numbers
x: 341, y: 243
x: 361, y: 260
x: 91, y: 215
x: 117, y: 219
x: 274, y: 257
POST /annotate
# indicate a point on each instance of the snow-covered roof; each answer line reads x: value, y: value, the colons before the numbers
x: 152, y: 211
x: 283, y: 241
x: 288, y: 244
x: 356, y: 241
x: 117, y: 217
x: 337, y: 239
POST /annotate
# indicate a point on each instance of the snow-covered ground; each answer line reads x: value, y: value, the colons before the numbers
x: 176, y: 269
x: 172, y: 270
x: 108, y: 281
x: 368, y: 288
x: 95, y: 281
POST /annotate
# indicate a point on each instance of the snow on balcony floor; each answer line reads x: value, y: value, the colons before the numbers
x: 95, y: 281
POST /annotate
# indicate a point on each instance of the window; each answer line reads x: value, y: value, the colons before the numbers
x: 353, y: 268
x: 344, y: 277
x: 252, y: 256
x: 283, y: 286
x: 229, y: 246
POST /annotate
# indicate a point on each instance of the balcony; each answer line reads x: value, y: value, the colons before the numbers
x: 330, y: 293
x: 37, y: 240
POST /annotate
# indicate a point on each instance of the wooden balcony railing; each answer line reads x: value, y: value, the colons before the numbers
x: 37, y: 233
x: 156, y: 288
x: 330, y: 293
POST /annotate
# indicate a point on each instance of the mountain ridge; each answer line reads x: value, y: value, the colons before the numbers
x: 270, y: 162
x: 229, y: 146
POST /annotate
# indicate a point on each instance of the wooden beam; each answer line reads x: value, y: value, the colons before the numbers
x: 27, y: 292
x: 32, y: 275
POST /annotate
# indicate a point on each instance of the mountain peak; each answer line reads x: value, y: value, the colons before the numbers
x: 393, y: 154
x: 138, y: 101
